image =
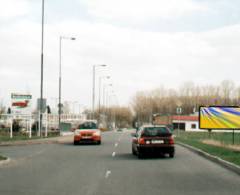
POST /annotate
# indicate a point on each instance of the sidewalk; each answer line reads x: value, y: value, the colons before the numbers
x: 52, y: 140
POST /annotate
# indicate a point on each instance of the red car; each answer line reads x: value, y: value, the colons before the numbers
x: 153, y: 139
x: 87, y: 132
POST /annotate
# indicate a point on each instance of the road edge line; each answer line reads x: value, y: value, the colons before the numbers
x: 226, y: 164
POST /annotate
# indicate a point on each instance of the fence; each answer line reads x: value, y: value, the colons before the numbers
x: 29, y: 123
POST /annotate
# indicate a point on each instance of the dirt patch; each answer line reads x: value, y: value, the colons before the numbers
x: 219, y: 144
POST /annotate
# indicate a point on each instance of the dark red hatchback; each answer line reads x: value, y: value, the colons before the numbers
x: 153, y: 139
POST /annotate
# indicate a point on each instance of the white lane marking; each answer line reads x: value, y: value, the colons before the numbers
x: 113, y: 154
x: 108, y: 172
x: 119, y: 139
x: 116, y: 144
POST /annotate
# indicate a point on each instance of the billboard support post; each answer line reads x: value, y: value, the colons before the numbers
x: 233, y: 137
x: 209, y: 133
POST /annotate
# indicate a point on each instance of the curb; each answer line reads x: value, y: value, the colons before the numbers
x: 228, y: 165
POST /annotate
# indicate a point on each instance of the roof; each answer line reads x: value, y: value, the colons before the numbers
x: 150, y: 125
x: 185, y: 118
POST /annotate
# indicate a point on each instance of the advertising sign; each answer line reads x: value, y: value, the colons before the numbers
x: 219, y: 117
x: 21, y: 103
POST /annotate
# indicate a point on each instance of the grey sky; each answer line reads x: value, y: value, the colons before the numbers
x: 145, y: 43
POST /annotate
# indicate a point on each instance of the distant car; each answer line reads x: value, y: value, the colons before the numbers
x: 87, y: 132
x: 153, y: 139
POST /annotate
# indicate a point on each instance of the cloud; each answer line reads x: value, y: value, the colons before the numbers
x: 137, y: 60
x: 13, y: 8
x: 142, y: 10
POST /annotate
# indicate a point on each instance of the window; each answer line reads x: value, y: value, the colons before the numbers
x: 193, y: 126
x: 155, y: 131
x: 88, y: 125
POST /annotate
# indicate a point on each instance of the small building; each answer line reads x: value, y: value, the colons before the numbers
x: 185, y: 123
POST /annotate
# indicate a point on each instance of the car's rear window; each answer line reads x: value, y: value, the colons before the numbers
x: 87, y: 125
x: 155, y: 131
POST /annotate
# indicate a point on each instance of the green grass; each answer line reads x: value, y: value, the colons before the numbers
x: 17, y: 137
x: 195, y: 139
x: 225, y: 137
x: 2, y: 158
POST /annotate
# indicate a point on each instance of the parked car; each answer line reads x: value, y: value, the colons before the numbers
x: 87, y: 132
x: 153, y: 139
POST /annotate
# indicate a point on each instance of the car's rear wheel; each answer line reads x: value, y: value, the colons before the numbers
x: 133, y: 151
x: 99, y: 142
x: 75, y: 142
x: 171, y: 155
x: 139, y: 154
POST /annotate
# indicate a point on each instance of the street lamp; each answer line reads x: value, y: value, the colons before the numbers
x: 60, y: 77
x: 93, y: 90
x: 104, y: 93
x: 41, y: 85
x: 99, y: 98
x: 105, y: 102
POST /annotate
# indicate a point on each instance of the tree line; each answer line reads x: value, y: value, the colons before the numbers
x: 188, y: 96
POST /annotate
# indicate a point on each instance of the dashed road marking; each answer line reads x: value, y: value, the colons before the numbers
x: 113, y: 154
x: 119, y: 139
x: 108, y: 172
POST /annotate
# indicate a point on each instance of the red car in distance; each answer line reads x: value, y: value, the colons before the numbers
x: 87, y: 132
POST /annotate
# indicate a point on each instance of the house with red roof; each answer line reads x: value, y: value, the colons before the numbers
x: 186, y: 122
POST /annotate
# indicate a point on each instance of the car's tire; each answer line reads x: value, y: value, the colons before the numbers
x: 99, y: 143
x: 75, y: 143
x: 140, y: 155
x: 134, y: 152
x: 171, y: 155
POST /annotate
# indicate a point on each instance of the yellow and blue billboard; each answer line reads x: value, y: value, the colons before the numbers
x: 219, y: 117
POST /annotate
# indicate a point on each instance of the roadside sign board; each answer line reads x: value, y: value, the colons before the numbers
x: 179, y: 110
x: 21, y: 103
x: 219, y: 117
x: 44, y: 104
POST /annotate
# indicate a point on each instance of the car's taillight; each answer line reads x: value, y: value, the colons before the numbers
x: 171, y: 140
x: 141, y: 141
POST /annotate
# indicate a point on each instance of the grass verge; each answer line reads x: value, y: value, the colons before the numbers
x: 221, y: 152
x: 2, y: 158
x: 19, y: 137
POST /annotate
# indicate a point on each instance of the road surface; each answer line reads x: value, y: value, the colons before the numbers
x: 109, y: 169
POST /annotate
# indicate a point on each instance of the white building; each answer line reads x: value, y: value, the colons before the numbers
x: 186, y: 123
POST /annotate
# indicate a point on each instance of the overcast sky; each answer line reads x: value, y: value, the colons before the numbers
x: 145, y: 43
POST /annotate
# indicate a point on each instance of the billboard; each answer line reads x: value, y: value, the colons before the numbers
x: 21, y: 103
x: 219, y: 117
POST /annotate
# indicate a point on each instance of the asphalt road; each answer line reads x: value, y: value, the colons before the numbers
x: 109, y: 169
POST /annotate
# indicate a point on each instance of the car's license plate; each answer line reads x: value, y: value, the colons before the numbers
x: 157, y: 141
x: 86, y: 137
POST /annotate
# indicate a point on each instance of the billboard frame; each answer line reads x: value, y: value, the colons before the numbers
x: 199, y: 121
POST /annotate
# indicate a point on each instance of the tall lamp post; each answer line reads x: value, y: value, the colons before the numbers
x: 60, y: 78
x: 41, y: 85
x: 104, y: 94
x: 100, y: 85
x: 93, y: 90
